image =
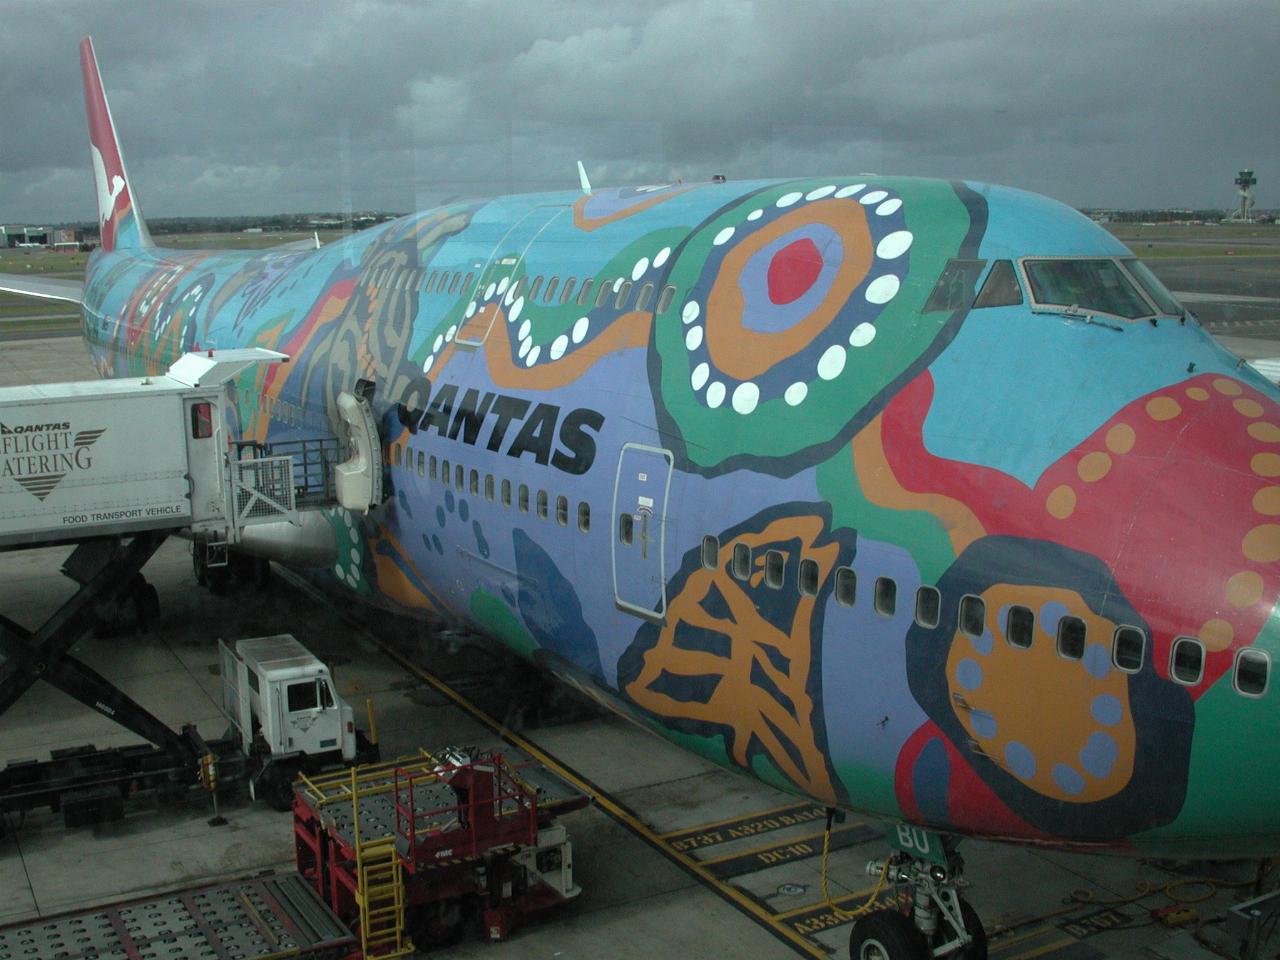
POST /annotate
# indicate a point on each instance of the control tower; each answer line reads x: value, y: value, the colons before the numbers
x: 1244, y: 187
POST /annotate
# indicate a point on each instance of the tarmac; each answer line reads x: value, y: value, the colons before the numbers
x: 676, y: 857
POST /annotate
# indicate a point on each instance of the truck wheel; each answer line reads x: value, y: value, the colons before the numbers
x: 277, y: 787
x: 437, y: 924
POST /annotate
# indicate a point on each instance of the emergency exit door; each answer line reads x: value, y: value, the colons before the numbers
x: 640, y: 523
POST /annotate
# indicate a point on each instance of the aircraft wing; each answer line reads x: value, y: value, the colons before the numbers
x: 46, y: 288
x: 1269, y: 367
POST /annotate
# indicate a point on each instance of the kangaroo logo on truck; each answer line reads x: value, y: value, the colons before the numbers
x: 39, y: 455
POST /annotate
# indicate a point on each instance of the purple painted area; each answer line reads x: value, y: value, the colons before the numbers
x: 870, y: 711
x: 760, y: 313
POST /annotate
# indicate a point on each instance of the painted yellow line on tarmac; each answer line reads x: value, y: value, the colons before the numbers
x: 742, y: 818
x: 614, y: 809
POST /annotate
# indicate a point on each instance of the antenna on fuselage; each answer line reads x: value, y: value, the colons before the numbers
x: 582, y: 179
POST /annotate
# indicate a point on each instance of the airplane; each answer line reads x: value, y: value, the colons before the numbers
x: 920, y: 498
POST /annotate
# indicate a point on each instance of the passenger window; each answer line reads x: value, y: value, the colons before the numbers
x: 807, y: 579
x: 1187, y: 660
x: 846, y: 586
x: 475, y: 482
x: 1128, y: 647
x: 623, y: 293
x: 741, y: 561
x: 645, y: 295
x: 551, y: 289
x: 584, y: 295
x: 1253, y: 669
x: 398, y: 451
x: 928, y: 607
x: 542, y: 504
x: 446, y: 474
x: 466, y: 283
x: 973, y: 616
x: 885, y: 596
x: 1071, y: 637
x: 562, y: 511
x: 488, y: 487
x: 522, y: 496
x: 567, y: 293
x: 774, y: 564
x: 506, y: 493
x: 517, y: 289
x: 302, y: 696
x: 1020, y: 627
x: 535, y: 287
x: 1001, y: 288
x: 626, y: 527
x: 584, y: 516
x: 453, y: 284
x: 606, y: 288
x: 458, y: 476
x: 954, y: 289
x: 433, y: 468
x: 431, y: 280
x: 664, y: 301
x: 710, y: 552
x: 422, y: 464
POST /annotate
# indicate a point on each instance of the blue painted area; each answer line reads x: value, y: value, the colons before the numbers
x: 983, y: 723
x: 969, y: 674
x: 931, y: 781
x: 551, y: 608
x: 759, y: 311
x: 1099, y: 755
x: 1106, y: 710
x: 1050, y: 614
x: 1068, y: 779
x: 1097, y: 660
x: 1040, y: 365
x: 1020, y: 760
x: 985, y: 643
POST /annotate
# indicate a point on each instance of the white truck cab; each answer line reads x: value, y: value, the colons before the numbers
x: 281, y: 700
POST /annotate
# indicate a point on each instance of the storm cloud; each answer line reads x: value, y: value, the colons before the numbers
x: 279, y: 107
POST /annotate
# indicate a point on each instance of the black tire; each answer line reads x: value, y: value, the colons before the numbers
x: 276, y: 787
x: 973, y: 924
x: 438, y: 924
x: 886, y: 935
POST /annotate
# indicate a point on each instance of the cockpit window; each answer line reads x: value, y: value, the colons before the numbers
x: 1096, y: 285
x: 1165, y: 301
x: 1001, y: 288
x: 954, y: 289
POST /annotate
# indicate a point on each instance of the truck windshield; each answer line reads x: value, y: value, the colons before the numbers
x: 1093, y: 285
x: 1165, y: 301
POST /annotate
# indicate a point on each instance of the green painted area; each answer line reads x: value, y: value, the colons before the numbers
x: 918, y: 531
x: 494, y: 616
x: 764, y: 769
x: 939, y: 223
x: 873, y: 788
x: 709, y: 748
x: 1234, y: 776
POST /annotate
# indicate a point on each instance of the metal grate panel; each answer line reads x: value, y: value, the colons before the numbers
x: 263, y: 489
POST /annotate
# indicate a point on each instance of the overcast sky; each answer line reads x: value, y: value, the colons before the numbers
x: 229, y: 108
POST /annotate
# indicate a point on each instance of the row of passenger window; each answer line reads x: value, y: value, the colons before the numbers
x: 463, y: 480
x: 620, y: 290
x: 1128, y: 644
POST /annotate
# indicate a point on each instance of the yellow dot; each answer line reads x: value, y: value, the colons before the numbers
x: 1266, y: 464
x: 1216, y: 635
x: 1244, y: 589
x: 1198, y: 393
x: 1266, y: 432
x: 1062, y: 502
x: 1262, y: 543
x: 1250, y: 408
x: 1120, y: 438
x: 1267, y: 501
x: 1093, y: 466
x: 1227, y: 387
x: 1163, y: 408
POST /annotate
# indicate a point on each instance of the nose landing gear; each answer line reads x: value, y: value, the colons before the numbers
x: 933, y: 919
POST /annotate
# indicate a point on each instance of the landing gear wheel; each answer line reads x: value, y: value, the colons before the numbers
x: 437, y: 924
x: 886, y: 935
x: 977, y: 950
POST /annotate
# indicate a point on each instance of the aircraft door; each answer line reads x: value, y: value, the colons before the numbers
x: 530, y: 225
x: 640, y: 519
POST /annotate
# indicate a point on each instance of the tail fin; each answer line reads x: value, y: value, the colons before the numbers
x: 119, y: 219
